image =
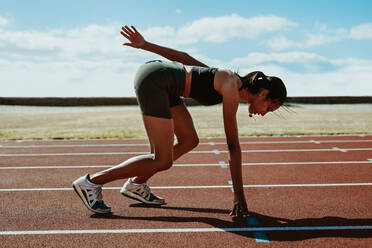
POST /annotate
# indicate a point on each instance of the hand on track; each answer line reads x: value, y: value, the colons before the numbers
x: 240, y: 209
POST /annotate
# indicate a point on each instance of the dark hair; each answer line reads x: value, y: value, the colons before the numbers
x: 257, y: 80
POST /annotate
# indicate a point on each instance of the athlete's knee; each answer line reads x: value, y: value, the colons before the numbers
x: 164, y: 163
x: 194, y: 142
x: 190, y: 142
x: 165, y: 166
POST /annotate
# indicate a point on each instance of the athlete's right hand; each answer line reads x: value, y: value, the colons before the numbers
x: 135, y: 38
x: 240, y: 209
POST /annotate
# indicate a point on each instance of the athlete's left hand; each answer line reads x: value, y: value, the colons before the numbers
x: 135, y: 38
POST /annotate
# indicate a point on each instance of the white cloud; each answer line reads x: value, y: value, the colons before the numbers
x: 81, y: 62
x: 67, y: 79
x: 102, y: 42
x: 115, y: 78
x: 178, y: 11
x: 324, y: 36
x: 3, y: 21
x: 362, y: 31
x: 220, y: 29
x: 255, y: 59
x: 329, y: 36
x: 90, y: 61
x: 91, y: 42
x: 282, y: 43
x: 348, y: 77
x: 351, y: 80
x: 159, y: 34
x: 99, y: 42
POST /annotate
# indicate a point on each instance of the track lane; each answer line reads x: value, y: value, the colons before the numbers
x: 146, y: 148
x: 314, y: 206
x: 58, y: 210
x: 340, y: 138
x: 248, y: 157
x: 191, y: 209
x: 185, y: 176
x: 203, y: 146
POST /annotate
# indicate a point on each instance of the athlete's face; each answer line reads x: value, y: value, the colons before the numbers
x: 261, y: 105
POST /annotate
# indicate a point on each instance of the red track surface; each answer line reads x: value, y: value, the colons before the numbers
x: 38, y: 197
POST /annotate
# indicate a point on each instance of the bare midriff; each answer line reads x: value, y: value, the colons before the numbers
x: 188, y: 76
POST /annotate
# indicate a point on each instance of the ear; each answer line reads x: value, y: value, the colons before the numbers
x: 263, y: 93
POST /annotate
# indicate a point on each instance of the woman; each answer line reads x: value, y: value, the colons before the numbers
x: 159, y: 85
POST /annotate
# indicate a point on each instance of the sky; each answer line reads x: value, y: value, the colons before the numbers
x: 74, y: 48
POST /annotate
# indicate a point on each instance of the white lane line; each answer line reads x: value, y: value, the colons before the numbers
x: 186, y: 230
x: 95, y: 166
x: 201, y: 143
x: 339, y: 149
x: 70, y: 154
x: 77, y: 145
x: 192, y: 152
x: 341, y: 141
x: 308, y: 163
x: 206, y: 187
x: 54, y: 167
x: 221, y: 164
x: 357, y: 149
x: 314, y: 141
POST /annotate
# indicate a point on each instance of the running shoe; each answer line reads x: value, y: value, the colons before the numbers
x: 140, y: 192
x: 90, y: 194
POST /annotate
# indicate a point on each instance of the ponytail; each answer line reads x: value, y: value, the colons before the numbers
x: 257, y: 80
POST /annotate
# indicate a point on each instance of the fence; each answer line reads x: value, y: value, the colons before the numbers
x: 106, y: 101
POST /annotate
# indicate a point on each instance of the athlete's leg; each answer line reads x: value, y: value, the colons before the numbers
x: 161, y: 135
x: 187, y: 138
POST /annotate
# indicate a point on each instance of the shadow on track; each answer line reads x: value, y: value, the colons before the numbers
x: 264, y: 221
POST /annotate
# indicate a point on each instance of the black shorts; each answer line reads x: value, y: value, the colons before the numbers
x: 159, y: 86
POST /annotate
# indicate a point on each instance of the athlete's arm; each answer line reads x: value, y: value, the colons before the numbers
x: 137, y: 41
x: 228, y: 87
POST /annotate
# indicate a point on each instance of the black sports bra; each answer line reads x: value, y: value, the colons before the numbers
x: 202, y: 86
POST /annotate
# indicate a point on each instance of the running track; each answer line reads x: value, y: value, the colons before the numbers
x: 302, y: 191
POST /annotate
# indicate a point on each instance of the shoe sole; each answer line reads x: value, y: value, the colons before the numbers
x: 82, y: 197
x: 138, y: 198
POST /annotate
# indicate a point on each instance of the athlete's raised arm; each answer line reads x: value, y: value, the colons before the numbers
x: 136, y: 40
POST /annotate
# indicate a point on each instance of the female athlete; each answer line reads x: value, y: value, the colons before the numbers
x: 159, y: 86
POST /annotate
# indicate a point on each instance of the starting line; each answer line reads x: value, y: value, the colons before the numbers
x: 186, y: 230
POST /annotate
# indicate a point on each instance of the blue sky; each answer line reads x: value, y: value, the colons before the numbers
x: 73, y: 48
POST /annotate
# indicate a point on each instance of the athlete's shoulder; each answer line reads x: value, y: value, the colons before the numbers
x: 226, y: 75
x: 224, y: 72
x: 225, y: 80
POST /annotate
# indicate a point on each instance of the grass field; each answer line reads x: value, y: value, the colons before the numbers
x: 125, y: 121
